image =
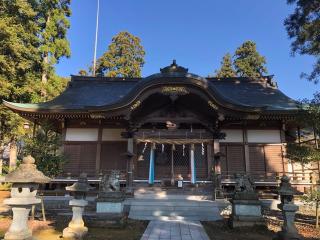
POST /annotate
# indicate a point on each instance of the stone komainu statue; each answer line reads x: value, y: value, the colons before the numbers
x: 244, y: 183
x: 111, y: 182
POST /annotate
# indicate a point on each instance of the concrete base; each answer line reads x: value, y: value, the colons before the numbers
x: 109, y: 207
x: 246, y: 221
x: 74, y: 232
x: 22, y: 235
x: 247, y: 210
x: 246, y: 213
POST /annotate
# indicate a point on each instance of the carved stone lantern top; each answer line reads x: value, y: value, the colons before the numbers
x: 286, y: 191
x: 80, y: 188
x: 81, y: 185
x: 27, y: 173
x: 25, y: 179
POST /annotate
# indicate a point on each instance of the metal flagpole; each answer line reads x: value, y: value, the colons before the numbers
x: 96, y: 40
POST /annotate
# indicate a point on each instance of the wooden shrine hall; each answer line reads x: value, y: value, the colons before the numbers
x: 178, y: 125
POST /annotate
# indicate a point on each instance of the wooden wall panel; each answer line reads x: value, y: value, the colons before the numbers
x: 72, y: 152
x: 235, y: 158
x: 273, y: 154
x: 81, y: 157
x: 88, y: 159
x: 256, y: 157
x: 223, y: 159
x: 112, y: 156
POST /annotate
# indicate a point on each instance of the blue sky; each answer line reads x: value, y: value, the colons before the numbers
x: 197, y: 33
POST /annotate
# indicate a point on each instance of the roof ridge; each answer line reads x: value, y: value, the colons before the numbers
x: 104, y: 79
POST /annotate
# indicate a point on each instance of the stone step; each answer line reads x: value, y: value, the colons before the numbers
x: 182, y: 203
x: 173, y: 208
x: 174, y: 213
x: 165, y: 196
x: 166, y: 218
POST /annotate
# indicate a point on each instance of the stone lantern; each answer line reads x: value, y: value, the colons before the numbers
x: 25, y: 181
x: 78, y: 190
x: 288, y: 208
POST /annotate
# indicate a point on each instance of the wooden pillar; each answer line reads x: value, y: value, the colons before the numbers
x: 246, y: 149
x: 98, y: 151
x: 129, y: 187
x: 63, y: 135
x: 216, y: 174
x: 193, y: 179
x: 151, y: 164
x: 217, y: 161
x: 209, y: 158
x: 283, y: 150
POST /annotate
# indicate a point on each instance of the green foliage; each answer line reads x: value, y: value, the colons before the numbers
x: 53, y: 23
x: 5, y: 186
x: 52, y: 88
x: 30, y: 32
x: 302, y: 153
x: 310, y: 113
x: 226, y: 69
x: 248, y: 62
x: 19, y: 55
x: 309, y: 117
x: 124, y: 58
x: 303, y: 26
x: 83, y: 72
x: 312, y: 196
x: 44, y: 147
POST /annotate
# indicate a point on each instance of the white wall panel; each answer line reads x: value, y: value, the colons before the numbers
x: 82, y: 134
x: 232, y: 135
x: 112, y: 134
x: 264, y: 136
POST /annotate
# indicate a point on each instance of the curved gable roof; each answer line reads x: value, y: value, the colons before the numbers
x: 92, y: 93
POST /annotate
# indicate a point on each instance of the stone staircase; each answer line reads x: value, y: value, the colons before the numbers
x: 159, y: 205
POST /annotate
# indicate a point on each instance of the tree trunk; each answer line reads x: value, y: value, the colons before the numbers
x: 317, y: 214
x: 13, y: 156
x: 1, y: 164
x: 44, y: 77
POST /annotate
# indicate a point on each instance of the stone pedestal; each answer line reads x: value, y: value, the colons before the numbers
x: 76, y: 228
x: 19, y: 228
x: 289, y: 230
x: 246, y: 209
x: 110, y: 202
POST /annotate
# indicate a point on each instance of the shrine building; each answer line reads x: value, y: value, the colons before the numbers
x: 177, y: 124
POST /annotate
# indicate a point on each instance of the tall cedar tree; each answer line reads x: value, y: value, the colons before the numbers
x: 226, y: 69
x: 52, y: 18
x: 303, y: 26
x: 248, y: 62
x: 124, y: 58
x: 21, y: 60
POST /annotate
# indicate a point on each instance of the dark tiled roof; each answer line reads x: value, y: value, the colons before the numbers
x: 85, y: 93
x: 254, y: 93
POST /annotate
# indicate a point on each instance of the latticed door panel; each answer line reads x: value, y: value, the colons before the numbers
x: 181, y: 161
x: 142, y: 166
x: 201, y: 162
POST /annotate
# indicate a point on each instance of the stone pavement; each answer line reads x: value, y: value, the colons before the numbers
x: 175, y: 230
